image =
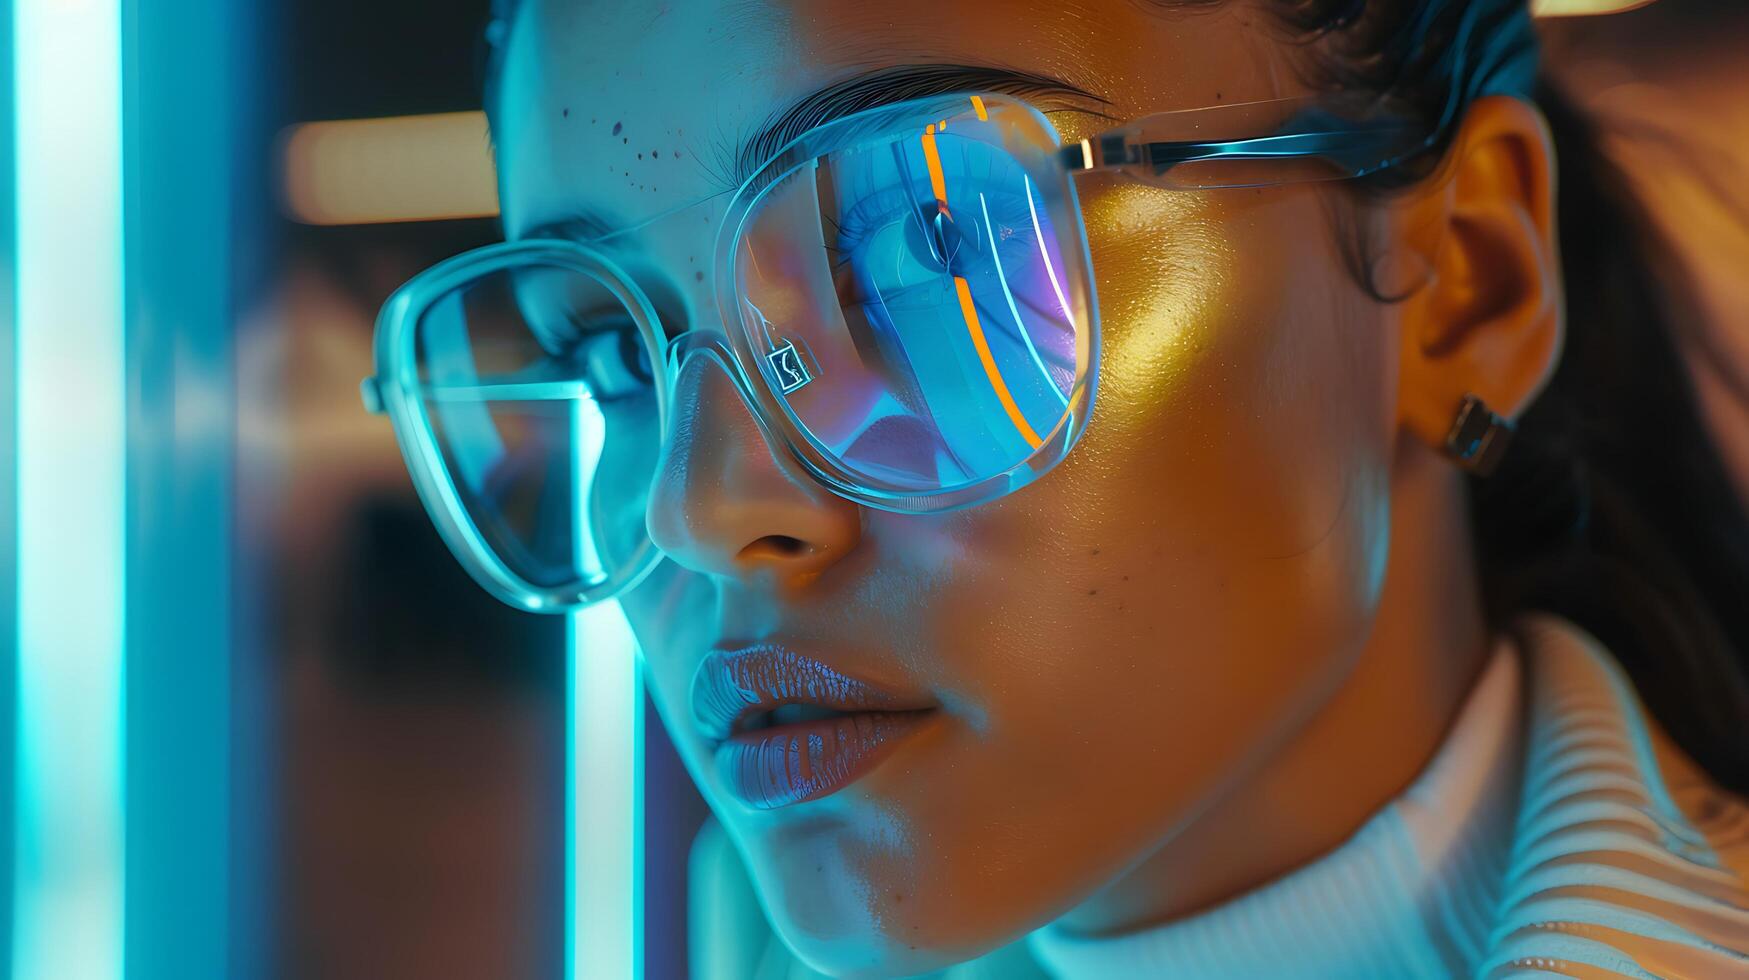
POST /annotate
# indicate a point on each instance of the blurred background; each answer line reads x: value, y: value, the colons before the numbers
x: 336, y: 752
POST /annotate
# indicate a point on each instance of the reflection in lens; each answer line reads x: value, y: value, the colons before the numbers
x: 537, y: 386
x: 919, y: 278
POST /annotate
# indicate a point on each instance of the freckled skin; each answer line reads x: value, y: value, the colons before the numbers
x: 1141, y: 655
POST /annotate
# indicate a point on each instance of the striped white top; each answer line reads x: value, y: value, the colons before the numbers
x: 1549, y: 835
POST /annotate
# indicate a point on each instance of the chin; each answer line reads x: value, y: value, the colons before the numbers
x: 883, y: 957
x: 847, y: 906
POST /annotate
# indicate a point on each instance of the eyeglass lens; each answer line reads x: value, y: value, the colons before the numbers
x: 538, y: 387
x: 907, y: 295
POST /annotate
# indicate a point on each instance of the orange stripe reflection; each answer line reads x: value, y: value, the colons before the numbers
x: 989, y: 362
x: 937, y: 182
x: 978, y: 106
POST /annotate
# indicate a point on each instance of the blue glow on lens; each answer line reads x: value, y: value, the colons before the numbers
x: 1044, y: 253
x: 604, y: 785
x: 71, y: 495
x: 1008, y: 294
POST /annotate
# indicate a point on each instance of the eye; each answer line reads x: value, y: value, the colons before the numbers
x: 906, y: 255
x: 904, y: 250
x: 584, y: 332
x: 610, y: 355
x: 915, y: 212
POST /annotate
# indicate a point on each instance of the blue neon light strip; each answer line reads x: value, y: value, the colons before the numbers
x: 604, y: 794
x: 604, y: 769
x: 71, y: 494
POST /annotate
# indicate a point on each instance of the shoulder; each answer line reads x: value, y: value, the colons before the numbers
x: 1627, y: 858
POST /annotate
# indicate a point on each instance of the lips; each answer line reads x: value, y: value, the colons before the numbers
x: 789, y: 728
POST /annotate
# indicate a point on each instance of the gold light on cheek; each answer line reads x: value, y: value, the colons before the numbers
x: 1162, y: 267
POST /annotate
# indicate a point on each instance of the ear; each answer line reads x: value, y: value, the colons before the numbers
x: 1488, y: 320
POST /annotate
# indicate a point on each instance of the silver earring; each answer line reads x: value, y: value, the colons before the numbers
x: 1478, y: 437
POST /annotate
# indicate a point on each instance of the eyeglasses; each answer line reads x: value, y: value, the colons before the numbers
x: 904, y: 301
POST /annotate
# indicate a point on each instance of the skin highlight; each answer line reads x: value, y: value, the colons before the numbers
x: 1202, y: 651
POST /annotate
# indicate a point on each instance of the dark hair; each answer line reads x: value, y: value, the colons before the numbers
x: 1613, y: 507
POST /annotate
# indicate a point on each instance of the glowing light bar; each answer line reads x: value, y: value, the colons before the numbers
x: 71, y: 495
x: 604, y: 771
x: 1582, y: 8
x: 604, y: 847
x: 404, y: 168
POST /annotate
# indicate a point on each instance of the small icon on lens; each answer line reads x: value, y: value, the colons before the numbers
x: 787, y: 365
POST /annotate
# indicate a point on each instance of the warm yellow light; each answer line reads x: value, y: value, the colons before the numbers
x: 1582, y: 8
x: 405, y: 168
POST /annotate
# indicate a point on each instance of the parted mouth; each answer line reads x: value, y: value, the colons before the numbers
x: 764, y: 686
x: 788, y: 729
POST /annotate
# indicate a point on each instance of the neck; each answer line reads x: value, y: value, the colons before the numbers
x: 1369, y: 740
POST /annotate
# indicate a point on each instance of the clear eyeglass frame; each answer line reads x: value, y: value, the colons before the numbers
x: 1290, y: 141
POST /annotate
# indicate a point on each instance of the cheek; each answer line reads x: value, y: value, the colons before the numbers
x: 1233, y: 477
x: 1244, y: 402
x: 670, y: 615
x: 1159, y: 613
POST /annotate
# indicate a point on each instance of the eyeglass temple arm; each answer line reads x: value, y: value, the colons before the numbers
x: 1355, y: 149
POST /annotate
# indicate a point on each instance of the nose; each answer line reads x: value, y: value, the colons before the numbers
x: 722, y: 504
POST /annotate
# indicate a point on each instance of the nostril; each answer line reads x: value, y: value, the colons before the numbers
x: 783, y: 544
x: 777, y: 546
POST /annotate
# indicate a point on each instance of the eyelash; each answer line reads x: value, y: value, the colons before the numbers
x: 850, y: 232
x: 840, y: 254
x: 891, y: 87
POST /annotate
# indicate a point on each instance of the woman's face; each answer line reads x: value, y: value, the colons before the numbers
x: 1104, y: 652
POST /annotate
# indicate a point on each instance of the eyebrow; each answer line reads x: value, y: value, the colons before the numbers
x: 886, y: 86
